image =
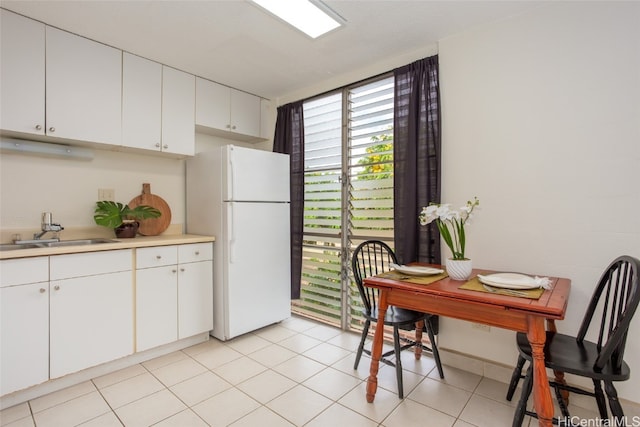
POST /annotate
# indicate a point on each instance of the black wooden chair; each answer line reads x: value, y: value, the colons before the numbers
x: 613, y: 305
x: 370, y: 258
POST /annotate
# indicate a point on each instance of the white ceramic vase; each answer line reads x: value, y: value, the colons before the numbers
x: 458, y: 269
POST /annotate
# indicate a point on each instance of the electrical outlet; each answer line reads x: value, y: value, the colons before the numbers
x: 480, y: 326
x: 107, y: 194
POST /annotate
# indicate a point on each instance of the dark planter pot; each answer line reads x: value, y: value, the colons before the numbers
x: 127, y: 230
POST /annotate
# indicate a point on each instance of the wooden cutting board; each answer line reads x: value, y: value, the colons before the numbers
x: 152, y: 226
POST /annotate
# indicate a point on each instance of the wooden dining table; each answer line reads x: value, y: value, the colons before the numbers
x: 445, y: 298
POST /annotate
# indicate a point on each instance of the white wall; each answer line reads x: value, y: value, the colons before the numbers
x: 541, y: 121
x: 69, y: 188
x: 30, y: 185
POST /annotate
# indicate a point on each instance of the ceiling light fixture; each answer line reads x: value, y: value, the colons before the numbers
x: 309, y: 16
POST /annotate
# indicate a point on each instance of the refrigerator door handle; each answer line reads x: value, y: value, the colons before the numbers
x: 230, y: 233
x: 232, y: 175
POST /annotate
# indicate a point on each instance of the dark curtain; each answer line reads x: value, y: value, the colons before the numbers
x: 289, y: 139
x: 417, y: 151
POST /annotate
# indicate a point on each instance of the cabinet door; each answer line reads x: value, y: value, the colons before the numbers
x: 91, y: 321
x: 22, y: 53
x: 245, y: 113
x: 156, y: 306
x: 141, y: 102
x: 83, y: 89
x: 24, y: 336
x: 267, y: 119
x: 195, y: 298
x: 213, y: 103
x: 178, y: 112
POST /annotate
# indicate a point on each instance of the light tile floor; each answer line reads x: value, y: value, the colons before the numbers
x: 296, y: 373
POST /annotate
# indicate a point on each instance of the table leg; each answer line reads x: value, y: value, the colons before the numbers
x: 418, y: 347
x: 376, y: 350
x: 541, y: 391
x: 559, y: 375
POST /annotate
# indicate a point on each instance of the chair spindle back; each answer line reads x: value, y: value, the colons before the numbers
x: 617, y: 295
x: 370, y: 258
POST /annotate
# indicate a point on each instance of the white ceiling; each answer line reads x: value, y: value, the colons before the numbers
x: 237, y: 44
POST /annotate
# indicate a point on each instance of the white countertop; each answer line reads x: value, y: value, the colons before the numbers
x: 136, y: 242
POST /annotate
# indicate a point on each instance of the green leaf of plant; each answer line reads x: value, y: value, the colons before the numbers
x: 109, y: 214
x: 112, y: 214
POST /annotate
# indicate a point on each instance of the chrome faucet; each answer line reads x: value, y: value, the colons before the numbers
x: 47, y: 225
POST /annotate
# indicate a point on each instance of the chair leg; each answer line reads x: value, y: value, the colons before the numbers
x: 365, y: 332
x: 561, y: 402
x: 434, y: 347
x: 518, y: 416
x: 614, y: 403
x: 396, y: 345
x: 418, y: 346
x: 515, y: 377
x: 600, y: 400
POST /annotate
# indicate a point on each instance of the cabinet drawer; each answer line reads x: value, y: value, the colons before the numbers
x: 90, y: 263
x: 156, y: 256
x: 20, y: 271
x: 195, y: 252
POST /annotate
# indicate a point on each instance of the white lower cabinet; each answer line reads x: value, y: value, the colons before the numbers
x: 174, y: 293
x: 24, y: 323
x: 64, y: 313
x: 91, y: 310
x: 156, y: 296
x: 195, y: 298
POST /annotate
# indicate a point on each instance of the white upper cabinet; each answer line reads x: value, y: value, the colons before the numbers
x: 158, y: 107
x: 83, y: 89
x: 212, y: 104
x: 245, y: 113
x: 22, y: 52
x: 141, y: 102
x: 178, y: 111
x: 226, y: 111
x: 58, y: 84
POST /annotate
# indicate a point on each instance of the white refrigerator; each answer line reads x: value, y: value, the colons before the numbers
x: 241, y: 196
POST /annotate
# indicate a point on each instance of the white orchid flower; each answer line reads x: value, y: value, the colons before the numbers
x: 450, y: 223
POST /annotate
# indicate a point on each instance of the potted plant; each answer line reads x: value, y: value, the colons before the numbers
x: 122, y: 218
x: 451, y: 226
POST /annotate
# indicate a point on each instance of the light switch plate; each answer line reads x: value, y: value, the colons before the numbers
x: 107, y: 194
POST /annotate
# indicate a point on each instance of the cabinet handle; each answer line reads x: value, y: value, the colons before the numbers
x: 228, y: 126
x: 165, y: 146
x: 197, y: 252
x: 233, y: 127
x: 158, y: 256
x: 43, y: 290
x: 38, y: 127
x: 182, y: 269
x: 56, y: 287
x: 52, y: 129
x: 157, y: 145
x: 174, y: 270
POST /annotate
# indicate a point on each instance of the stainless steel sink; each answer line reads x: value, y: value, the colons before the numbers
x: 13, y: 246
x: 80, y: 242
x: 63, y: 243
